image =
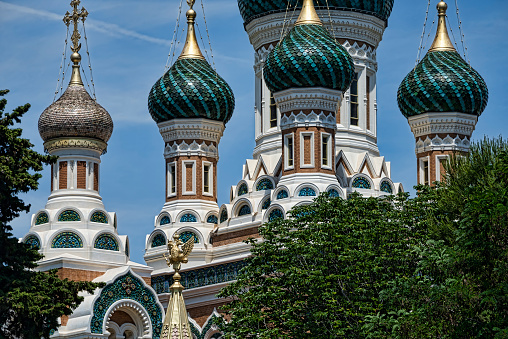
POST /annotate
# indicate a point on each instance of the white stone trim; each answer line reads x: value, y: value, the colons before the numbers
x: 305, y: 120
x: 176, y: 149
x: 316, y: 98
x: 135, y: 310
x: 302, y: 150
x: 196, y: 128
x: 441, y: 123
x: 446, y: 144
x: 421, y: 169
x: 184, y: 177
x: 438, y: 159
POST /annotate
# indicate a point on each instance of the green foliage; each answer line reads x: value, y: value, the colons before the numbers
x: 30, y: 302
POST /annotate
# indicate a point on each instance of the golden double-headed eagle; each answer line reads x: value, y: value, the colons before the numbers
x: 178, y: 252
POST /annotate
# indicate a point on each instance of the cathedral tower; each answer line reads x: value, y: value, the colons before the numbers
x: 442, y: 98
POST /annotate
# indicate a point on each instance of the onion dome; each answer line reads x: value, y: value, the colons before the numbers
x: 191, y: 88
x: 253, y: 9
x: 308, y: 56
x: 442, y: 81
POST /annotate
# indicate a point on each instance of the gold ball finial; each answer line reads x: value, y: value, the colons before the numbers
x: 75, y: 57
x: 442, y: 7
x: 191, y: 14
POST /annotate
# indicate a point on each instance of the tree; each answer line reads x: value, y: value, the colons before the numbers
x: 30, y: 302
x: 319, y: 273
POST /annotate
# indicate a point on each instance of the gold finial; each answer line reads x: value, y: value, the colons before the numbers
x: 191, y: 49
x: 442, y: 40
x: 75, y: 17
x: 176, y: 324
x: 308, y: 15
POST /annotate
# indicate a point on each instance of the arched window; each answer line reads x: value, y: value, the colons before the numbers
x: 67, y: 240
x: 243, y: 189
x: 361, y: 182
x: 185, y: 236
x: 42, y: 218
x: 275, y: 214
x: 69, y: 215
x: 244, y: 210
x: 99, y: 217
x: 264, y: 184
x: 283, y: 194
x: 212, y: 219
x: 158, y: 240
x: 33, y: 241
x: 386, y: 187
x: 165, y: 220
x: 307, y: 192
x: 106, y: 242
x: 223, y: 215
x: 188, y: 217
x: 127, y: 249
x: 266, y: 204
x: 333, y: 193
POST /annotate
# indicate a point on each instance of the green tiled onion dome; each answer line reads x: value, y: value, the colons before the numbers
x: 442, y: 82
x: 191, y: 89
x: 308, y: 56
x: 252, y: 9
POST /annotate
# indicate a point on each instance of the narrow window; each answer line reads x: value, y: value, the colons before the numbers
x: 206, y: 179
x: 426, y: 172
x: 354, y: 100
x: 325, y: 159
x: 273, y: 112
x: 289, y: 151
x: 172, y: 179
x: 368, y: 103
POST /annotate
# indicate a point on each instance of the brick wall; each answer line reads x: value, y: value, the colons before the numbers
x: 62, y: 172
x: 81, y: 175
x: 234, y: 237
x: 77, y: 275
x: 202, y: 313
x: 96, y: 177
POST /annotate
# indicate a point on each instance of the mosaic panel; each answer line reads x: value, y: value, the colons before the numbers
x: 185, y: 236
x: 158, y: 240
x: 307, y: 192
x: 106, y: 242
x: 275, y: 214
x: 442, y: 82
x: 243, y: 189
x: 189, y: 217
x: 33, y: 241
x: 200, y: 277
x: 223, y: 215
x: 266, y: 204
x: 386, y: 187
x: 69, y: 215
x: 244, y: 210
x: 42, y: 218
x: 361, y: 182
x: 165, y: 220
x: 264, y: 184
x: 67, y: 240
x: 212, y: 219
x: 99, y: 217
x: 283, y: 194
x: 127, y: 286
x: 333, y: 193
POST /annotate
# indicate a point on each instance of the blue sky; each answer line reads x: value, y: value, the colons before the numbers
x: 129, y: 41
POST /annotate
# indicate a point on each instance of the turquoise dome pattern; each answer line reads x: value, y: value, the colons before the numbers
x: 252, y: 9
x: 191, y: 89
x: 308, y: 56
x: 442, y: 82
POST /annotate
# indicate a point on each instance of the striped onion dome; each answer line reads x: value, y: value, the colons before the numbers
x: 252, y: 9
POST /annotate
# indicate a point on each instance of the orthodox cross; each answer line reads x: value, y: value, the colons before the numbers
x: 75, y: 17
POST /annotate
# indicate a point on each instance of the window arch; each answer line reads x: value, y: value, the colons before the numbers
x: 243, y: 189
x: 212, y: 219
x: 158, y: 240
x: 244, y: 210
x: 333, y: 193
x: 307, y: 192
x: 275, y: 214
x: 42, y: 218
x: 361, y: 182
x: 33, y: 241
x: 264, y: 184
x: 106, y: 242
x: 283, y: 194
x: 386, y: 187
x: 67, y: 240
x: 188, y: 217
x: 223, y: 215
x: 185, y: 236
x: 165, y: 220
x: 69, y: 215
x: 100, y: 217
x: 266, y: 204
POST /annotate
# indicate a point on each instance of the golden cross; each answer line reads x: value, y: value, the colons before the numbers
x: 74, y: 18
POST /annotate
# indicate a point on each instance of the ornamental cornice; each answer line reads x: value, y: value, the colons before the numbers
x: 350, y: 25
x: 305, y: 120
x: 198, y: 129
x: 311, y: 98
x: 193, y: 149
x: 60, y: 143
x: 442, y: 123
x: 442, y: 144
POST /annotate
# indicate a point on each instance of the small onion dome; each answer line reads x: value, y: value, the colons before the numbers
x: 308, y: 56
x: 191, y: 89
x: 75, y: 113
x: 253, y: 9
x: 442, y: 81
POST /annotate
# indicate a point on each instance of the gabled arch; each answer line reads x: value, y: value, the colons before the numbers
x: 242, y: 188
x: 270, y: 212
x: 263, y: 183
x: 386, y: 186
x: 187, y: 212
x: 41, y: 218
x: 303, y: 186
x: 106, y: 241
x: 60, y: 214
x: 358, y: 180
x: 157, y: 239
x: 224, y: 214
x: 238, y: 206
x: 337, y: 188
x: 67, y: 238
x: 98, y: 216
x: 163, y: 219
x: 33, y: 240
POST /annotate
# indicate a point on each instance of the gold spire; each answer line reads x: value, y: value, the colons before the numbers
x: 75, y: 57
x: 442, y: 40
x: 191, y: 49
x: 176, y: 324
x: 308, y: 15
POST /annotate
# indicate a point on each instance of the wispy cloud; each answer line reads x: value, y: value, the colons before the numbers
x: 100, y: 26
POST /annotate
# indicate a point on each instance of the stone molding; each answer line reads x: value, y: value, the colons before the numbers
x: 305, y: 120
x: 315, y: 98
x: 198, y: 128
x: 442, y: 123
x: 61, y: 143
x: 446, y: 144
x: 193, y: 149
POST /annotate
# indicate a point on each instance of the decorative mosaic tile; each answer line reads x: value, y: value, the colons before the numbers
x: 191, y: 89
x: 386, y: 187
x: 42, y: 218
x: 223, y: 215
x: 67, y: 240
x: 165, y: 220
x: 189, y: 217
x: 106, y: 242
x: 127, y: 286
x: 361, y: 182
x: 212, y: 219
x: 308, y: 56
x: 283, y: 194
x: 158, y: 240
x: 442, y: 82
x: 244, y: 210
x: 266, y: 204
x: 275, y: 214
x: 33, y: 241
x: 69, y: 215
x: 243, y: 189
x: 252, y: 9
x: 264, y: 184
x: 333, y: 193
x: 99, y: 217
x: 185, y: 236
x: 307, y: 192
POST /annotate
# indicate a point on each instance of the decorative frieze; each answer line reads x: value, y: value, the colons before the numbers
x: 305, y: 120
x: 197, y: 129
x: 194, y: 149
x: 315, y: 98
x: 93, y: 144
x: 442, y: 144
x: 442, y: 123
